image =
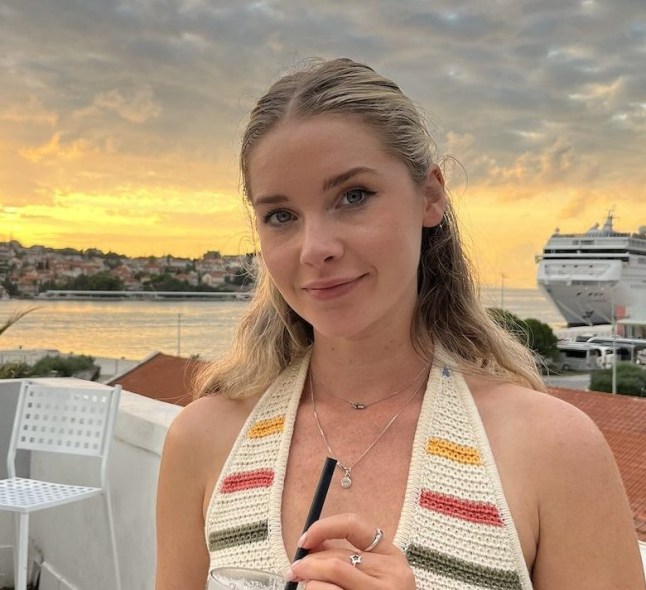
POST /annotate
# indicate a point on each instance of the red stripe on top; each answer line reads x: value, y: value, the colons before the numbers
x: 478, y: 512
x: 247, y: 480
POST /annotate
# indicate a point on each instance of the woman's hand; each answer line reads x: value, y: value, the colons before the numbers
x: 329, y: 565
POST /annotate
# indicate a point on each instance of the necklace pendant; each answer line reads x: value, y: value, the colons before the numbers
x: 358, y: 406
x: 346, y: 481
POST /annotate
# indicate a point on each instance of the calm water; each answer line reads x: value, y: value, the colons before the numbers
x: 134, y: 329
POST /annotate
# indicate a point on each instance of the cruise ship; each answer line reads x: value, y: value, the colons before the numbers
x: 586, y: 274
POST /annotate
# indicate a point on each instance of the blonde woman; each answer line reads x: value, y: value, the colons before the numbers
x: 365, y: 341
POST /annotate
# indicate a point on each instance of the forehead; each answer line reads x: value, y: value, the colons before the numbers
x: 319, y: 144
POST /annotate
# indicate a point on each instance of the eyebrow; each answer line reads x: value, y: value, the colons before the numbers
x: 345, y: 176
x: 328, y: 184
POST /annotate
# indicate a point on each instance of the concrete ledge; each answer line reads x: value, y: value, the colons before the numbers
x: 143, y: 422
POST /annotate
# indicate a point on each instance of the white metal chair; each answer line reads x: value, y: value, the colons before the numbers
x: 58, y: 419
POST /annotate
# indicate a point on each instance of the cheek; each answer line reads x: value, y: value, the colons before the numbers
x: 277, y: 263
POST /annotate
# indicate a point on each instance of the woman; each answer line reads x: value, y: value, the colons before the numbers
x: 365, y: 341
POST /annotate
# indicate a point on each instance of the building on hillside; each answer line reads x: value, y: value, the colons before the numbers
x: 213, y: 278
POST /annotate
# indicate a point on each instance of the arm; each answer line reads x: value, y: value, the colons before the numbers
x: 182, y: 556
x: 196, y: 447
x: 586, y: 533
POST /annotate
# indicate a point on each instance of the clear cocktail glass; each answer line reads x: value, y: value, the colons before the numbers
x: 238, y: 578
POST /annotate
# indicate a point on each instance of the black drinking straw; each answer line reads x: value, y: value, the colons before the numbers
x: 315, y: 508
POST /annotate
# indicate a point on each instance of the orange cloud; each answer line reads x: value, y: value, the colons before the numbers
x: 53, y: 149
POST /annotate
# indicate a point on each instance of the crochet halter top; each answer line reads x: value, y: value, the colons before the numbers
x: 455, y: 527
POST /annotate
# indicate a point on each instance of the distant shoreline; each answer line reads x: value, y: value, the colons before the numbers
x: 78, y: 295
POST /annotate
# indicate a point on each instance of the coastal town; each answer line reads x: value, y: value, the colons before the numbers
x: 29, y: 271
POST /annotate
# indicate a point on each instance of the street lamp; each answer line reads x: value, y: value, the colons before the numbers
x: 613, y: 320
x: 179, y: 332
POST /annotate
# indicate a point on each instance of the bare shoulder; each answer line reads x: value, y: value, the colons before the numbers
x: 560, y: 476
x: 210, y: 423
x: 541, y: 419
x: 202, y: 435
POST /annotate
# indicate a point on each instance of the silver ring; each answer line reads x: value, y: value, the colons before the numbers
x: 379, y: 535
x: 355, y: 559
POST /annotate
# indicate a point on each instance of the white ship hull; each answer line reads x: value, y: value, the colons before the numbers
x: 585, y: 275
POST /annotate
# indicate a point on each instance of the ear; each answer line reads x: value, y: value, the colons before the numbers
x: 435, y: 197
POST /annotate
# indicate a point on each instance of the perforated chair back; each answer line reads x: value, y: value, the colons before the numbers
x: 60, y: 419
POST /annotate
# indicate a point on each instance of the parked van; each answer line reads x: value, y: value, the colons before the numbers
x: 627, y: 349
x: 583, y: 356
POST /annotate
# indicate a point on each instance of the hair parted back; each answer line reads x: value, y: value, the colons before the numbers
x: 448, y: 310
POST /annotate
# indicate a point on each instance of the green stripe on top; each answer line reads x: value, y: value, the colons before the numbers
x: 463, y: 571
x: 240, y: 535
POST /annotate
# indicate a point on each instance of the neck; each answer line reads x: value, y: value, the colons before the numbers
x: 367, y: 370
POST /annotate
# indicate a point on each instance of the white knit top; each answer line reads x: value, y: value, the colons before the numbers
x: 455, y: 528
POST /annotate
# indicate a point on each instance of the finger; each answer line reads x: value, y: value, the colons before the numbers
x: 357, y: 531
x: 316, y: 585
x: 333, y: 568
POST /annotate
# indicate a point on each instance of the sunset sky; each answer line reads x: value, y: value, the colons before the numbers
x: 120, y: 120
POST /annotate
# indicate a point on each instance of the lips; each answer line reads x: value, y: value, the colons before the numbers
x: 331, y: 288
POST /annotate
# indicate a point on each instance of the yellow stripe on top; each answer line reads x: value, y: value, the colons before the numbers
x: 449, y: 450
x: 266, y: 427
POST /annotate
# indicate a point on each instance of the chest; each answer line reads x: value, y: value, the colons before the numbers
x: 379, y: 477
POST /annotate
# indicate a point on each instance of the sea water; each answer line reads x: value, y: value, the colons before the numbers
x: 133, y: 329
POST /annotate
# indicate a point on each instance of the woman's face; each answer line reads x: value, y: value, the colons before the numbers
x: 340, y: 223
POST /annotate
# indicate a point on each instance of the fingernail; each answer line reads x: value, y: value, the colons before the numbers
x: 289, y: 574
x: 302, y: 539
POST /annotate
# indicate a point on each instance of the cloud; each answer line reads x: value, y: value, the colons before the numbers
x: 30, y: 112
x: 136, y: 108
x: 149, y: 98
x: 56, y: 150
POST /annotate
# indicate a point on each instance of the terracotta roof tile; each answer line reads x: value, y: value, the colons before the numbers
x: 162, y: 377
x: 622, y: 420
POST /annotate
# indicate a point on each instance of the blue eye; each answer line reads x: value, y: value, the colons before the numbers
x: 277, y: 217
x: 356, y: 196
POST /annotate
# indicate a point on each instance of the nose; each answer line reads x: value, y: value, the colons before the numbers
x: 321, y: 242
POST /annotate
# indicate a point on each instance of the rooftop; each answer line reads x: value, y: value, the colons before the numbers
x: 162, y: 377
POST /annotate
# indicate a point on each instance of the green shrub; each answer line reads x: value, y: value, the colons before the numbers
x: 631, y: 380
x: 16, y: 370
x: 60, y: 366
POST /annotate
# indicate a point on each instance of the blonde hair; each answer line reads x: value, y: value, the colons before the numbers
x: 448, y: 311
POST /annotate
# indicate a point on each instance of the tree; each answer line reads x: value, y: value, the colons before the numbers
x: 510, y: 322
x: 104, y: 281
x: 533, y: 333
x: 541, y: 338
x: 112, y: 260
x: 11, y: 288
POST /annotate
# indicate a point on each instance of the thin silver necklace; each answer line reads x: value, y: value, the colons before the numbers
x: 356, y: 405
x: 346, y: 480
